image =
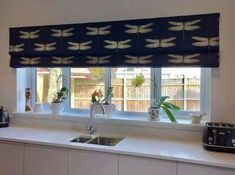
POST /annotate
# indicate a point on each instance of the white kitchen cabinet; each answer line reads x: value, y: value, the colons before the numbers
x: 42, y: 160
x: 195, y: 169
x: 11, y: 158
x: 131, y: 165
x: 92, y: 163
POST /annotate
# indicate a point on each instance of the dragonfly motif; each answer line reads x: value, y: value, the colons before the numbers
x: 138, y: 28
x: 154, y: 43
x: 63, y: 60
x: 16, y: 48
x: 188, y: 59
x: 117, y: 44
x: 29, y: 35
x: 98, y: 30
x: 45, y: 47
x: 79, y: 46
x: 62, y: 33
x: 204, y: 42
x: 139, y: 59
x: 189, y: 25
x: 29, y: 61
x: 98, y: 60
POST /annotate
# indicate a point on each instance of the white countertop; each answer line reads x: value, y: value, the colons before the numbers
x: 176, y: 150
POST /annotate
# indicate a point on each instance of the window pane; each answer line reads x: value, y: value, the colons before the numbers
x: 182, y: 85
x: 84, y: 81
x: 126, y: 96
x: 46, y: 83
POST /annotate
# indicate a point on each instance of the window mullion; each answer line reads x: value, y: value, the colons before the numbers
x: 155, y: 78
x: 107, y: 79
x: 33, y: 83
x: 205, y: 93
x: 158, y: 74
x: 66, y: 82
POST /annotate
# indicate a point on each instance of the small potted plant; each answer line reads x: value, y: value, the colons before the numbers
x: 97, y: 96
x: 57, y: 105
x: 108, y: 106
x: 167, y: 107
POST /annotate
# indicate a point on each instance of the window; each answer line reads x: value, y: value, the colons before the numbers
x: 46, y: 83
x: 182, y: 86
x: 83, y: 82
x: 126, y: 96
x: 187, y: 87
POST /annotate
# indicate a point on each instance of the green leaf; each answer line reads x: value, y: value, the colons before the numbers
x: 61, y: 95
x: 93, y: 99
x: 163, y: 98
x: 171, y: 106
x: 64, y: 89
x: 169, y: 114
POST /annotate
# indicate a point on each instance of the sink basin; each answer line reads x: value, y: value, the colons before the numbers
x: 108, y: 141
x: 82, y: 139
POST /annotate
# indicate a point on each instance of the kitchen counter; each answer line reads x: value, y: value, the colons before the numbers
x: 167, y: 149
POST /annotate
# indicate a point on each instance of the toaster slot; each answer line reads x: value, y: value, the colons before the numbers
x: 222, y: 138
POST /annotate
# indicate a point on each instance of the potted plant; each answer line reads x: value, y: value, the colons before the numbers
x: 97, y: 96
x: 108, y: 106
x: 167, y: 107
x: 57, y: 105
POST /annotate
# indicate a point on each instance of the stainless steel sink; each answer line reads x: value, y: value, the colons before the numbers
x: 108, y: 141
x: 82, y: 139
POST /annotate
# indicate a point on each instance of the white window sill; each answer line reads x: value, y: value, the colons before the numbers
x: 125, y: 120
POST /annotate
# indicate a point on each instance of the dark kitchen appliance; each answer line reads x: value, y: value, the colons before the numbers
x: 4, y: 117
x: 219, y: 137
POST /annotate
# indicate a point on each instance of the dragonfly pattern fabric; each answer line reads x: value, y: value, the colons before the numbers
x: 182, y: 41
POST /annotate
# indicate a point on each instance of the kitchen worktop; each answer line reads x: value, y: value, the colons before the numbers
x: 167, y: 149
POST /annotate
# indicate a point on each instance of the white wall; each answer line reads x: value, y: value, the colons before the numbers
x: 43, y: 12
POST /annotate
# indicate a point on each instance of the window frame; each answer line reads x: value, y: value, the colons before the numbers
x: 205, y: 91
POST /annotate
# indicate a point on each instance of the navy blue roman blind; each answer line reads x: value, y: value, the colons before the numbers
x: 158, y: 42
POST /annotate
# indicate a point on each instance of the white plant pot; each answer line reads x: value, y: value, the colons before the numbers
x: 38, y: 107
x: 108, y: 109
x: 196, y: 117
x: 57, y: 108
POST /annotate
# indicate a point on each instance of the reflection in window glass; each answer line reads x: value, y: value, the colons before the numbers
x: 126, y: 96
x: 46, y: 83
x: 182, y: 86
x: 84, y: 81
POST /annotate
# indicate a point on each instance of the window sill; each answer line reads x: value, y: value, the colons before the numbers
x: 124, y: 120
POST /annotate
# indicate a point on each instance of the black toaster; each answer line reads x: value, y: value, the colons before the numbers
x: 219, y: 137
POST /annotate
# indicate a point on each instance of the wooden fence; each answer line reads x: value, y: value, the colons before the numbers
x: 184, y: 92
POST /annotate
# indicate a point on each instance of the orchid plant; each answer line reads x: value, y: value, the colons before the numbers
x: 166, y: 106
x: 97, y: 96
x: 61, y: 94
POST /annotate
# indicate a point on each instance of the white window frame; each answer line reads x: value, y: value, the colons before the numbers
x: 205, y: 91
